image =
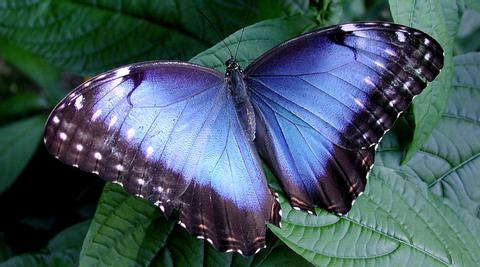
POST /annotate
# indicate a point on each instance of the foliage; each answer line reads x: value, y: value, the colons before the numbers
x: 421, y: 206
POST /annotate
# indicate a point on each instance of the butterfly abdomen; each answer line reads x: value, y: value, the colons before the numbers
x: 243, y: 105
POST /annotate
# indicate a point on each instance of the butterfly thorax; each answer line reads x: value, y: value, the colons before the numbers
x: 238, y: 90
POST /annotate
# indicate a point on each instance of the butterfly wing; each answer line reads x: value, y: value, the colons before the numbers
x: 168, y: 132
x: 326, y: 98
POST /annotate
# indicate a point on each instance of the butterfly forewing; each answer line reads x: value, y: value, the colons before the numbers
x: 168, y: 132
x: 326, y: 98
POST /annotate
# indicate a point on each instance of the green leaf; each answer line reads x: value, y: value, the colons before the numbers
x: 182, y: 249
x: 39, y: 71
x: 449, y: 163
x: 61, y: 251
x: 283, y: 256
x: 18, y: 142
x: 126, y: 231
x: 20, y: 105
x: 468, y: 33
x: 273, y: 8
x: 440, y: 19
x: 395, y: 223
x: 472, y: 4
x: 87, y: 36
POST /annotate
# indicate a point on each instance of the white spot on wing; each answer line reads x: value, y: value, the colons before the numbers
x: 140, y: 181
x: 79, y: 102
x: 348, y: 28
x: 130, y: 133
x: 358, y: 102
x: 79, y: 147
x: 63, y: 136
x: 97, y: 155
x: 119, y: 167
x: 96, y: 114
x: 56, y: 120
x: 380, y: 64
x: 368, y: 81
x: 390, y: 52
x: 122, y: 71
x: 401, y: 36
x: 113, y: 120
x: 149, y: 151
x: 426, y: 41
x: 428, y: 56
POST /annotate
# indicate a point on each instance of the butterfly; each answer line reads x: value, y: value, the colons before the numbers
x: 188, y: 137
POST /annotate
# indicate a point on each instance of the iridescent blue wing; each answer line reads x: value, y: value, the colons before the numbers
x: 168, y: 132
x: 326, y: 98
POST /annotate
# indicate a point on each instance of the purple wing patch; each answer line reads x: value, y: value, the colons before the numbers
x: 325, y: 100
x: 168, y: 132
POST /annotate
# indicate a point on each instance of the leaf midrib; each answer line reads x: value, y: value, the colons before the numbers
x: 454, y: 169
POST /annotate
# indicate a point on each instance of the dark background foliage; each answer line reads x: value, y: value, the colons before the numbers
x: 421, y: 206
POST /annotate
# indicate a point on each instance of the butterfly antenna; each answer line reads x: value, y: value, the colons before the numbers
x: 217, y: 32
x: 243, y: 30
x: 239, y: 41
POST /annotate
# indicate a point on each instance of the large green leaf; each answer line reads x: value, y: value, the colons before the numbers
x: 61, y: 251
x: 126, y: 231
x: 440, y: 19
x: 183, y: 249
x: 395, y: 223
x: 18, y: 142
x: 449, y: 163
x: 88, y: 36
x: 21, y: 104
x: 39, y: 71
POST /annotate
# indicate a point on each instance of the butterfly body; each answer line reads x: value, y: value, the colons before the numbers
x: 188, y: 137
x: 239, y: 92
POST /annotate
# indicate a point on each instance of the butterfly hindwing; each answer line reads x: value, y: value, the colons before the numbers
x: 326, y: 98
x: 168, y: 132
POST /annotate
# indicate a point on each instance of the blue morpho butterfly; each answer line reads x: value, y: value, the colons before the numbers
x: 188, y: 137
